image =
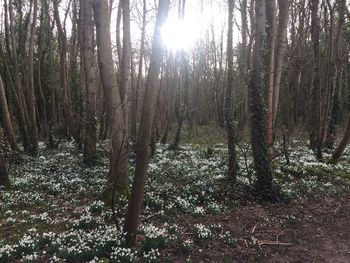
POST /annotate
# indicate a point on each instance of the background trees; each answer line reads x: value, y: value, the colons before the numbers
x: 287, y: 60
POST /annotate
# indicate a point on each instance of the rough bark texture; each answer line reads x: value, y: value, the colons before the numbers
x: 90, y: 89
x: 31, y: 101
x: 4, y: 179
x: 314, y: 118
x: 65, y: 92
x: 137, y: 89
x: 229, y: 100
x: 117, y: 179
x: 281, y: 46
x: 18, y: 89
x: 336, y: 65
x: 258, y: 116
x: 6, y: 118
x: 342, y: 144
x: 270, y: 64
x: 143, y: 145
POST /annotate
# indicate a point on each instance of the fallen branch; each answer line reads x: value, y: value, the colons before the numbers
x: 267, y: 242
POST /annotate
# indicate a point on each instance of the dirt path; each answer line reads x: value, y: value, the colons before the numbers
x: 317, y: 231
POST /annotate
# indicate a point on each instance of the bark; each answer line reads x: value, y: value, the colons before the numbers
x: 336, y: 65
x: 4, y: 179
x: 184, y: 83
x: 281, y: 47
x: 31, y: 93
x: 6, y: 117
x: 270, y: 65
x: 89, y: 152
x: 18, y: 89
x: 263, y: 186
x: 42, y: 113
x: 229, y: 101
x: 115, y: 110
x: 314, y: 118
x: 342, y: 144
x: 67, y: 109
x: 143, y: 145
x: 134, y: 108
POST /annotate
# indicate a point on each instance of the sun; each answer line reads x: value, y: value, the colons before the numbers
x: 179, y: 34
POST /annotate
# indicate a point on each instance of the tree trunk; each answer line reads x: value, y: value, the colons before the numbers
x: 31, y: 93
x: 229, y: 101
x: 90, y: 91
x: 135, y: 98
x: 342, y: 144
x: 67, y: 109
x: 263, y: 186
x: 6, y: 117
x: 18, y: 90
x: 4, y: 179
x: 118, y: 167
x: 314, y: 118
x: 270, y: 65
x: 144, y: 139
x: 281, y: 46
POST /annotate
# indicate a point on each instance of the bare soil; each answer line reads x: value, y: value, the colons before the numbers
x: 308, y: 231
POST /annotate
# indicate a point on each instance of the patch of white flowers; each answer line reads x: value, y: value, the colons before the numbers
x: 201, y: 232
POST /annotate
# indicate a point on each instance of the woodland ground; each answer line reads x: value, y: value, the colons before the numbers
x: 53, y: 211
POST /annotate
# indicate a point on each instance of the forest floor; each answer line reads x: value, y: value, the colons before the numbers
x: 53, y: 211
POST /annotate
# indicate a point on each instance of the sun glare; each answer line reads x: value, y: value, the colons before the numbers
x: 198, y: 21
x: 179, y: 35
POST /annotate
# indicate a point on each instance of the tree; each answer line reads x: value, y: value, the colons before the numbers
x: 142, y: 148
x: 263, y: 185
x: 4, y: 179
x: 6, y: 117
x: 118, y: 166
x: 182, y: 99
x: 65, y: 91
x: 229, y: 117
x: 314, y: 118
x: 90, y: 90
x: 280, y: 43
x: 22, y: 114
x: 31, y: 94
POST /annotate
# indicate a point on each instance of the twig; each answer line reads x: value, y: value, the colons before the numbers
x: 267, y: 242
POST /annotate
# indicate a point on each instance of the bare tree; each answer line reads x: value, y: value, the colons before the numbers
x: 263, y: 186
x: 90, y: 90
x: 118, y: 166
x: 229, y: 100
x: 4, y: 179
x: 6, y: 117
x: 144, y: 139
x: 31, y: 94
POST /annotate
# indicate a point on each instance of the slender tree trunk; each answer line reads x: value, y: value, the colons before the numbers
x: 90, y: 91
x: 336, y: 65
x: 270, y: 65
x: 281, y: 46
x: 116, y: 116
x: 342, y: 144
x: 134, y: 109
x: 67, y: 109
x: 31, y: 93
x: 18, y: 89
x: 314, y: 118
x: 263, y: 186
x: 183, y: 95
x: 144, y: 139
x: 4, y: 179
x: 6, y: 117
x: 229, y: 101
x: 42, y: 113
